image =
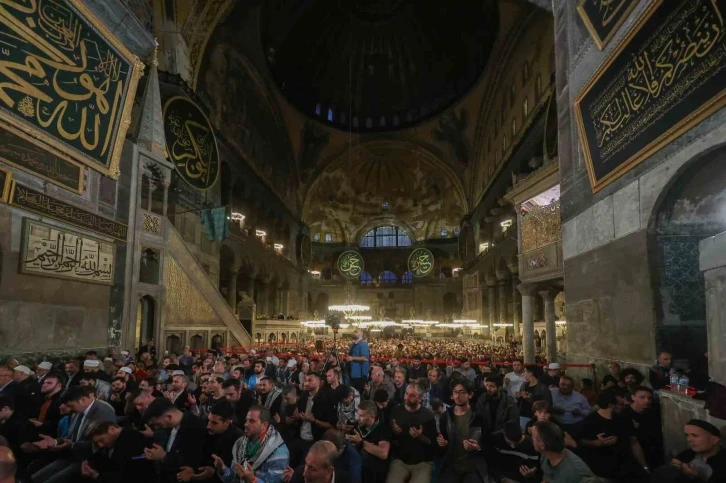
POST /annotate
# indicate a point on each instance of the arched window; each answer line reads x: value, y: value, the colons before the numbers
x: 366, y: 279
x: 317, y: 109
x: 387, y: 277
x: 525, y: 72
x: 385, y: 236
x: 525, y: 108
x: 537, y: 87
x: 512, y: 95
x: 505, y: 143
x: 330, y: 115
x: 444, y: 232
x: 328, y: 238
x: 457, y: 231
x: 514, y: 127
x: 407, y: 278
x: 316, y: 237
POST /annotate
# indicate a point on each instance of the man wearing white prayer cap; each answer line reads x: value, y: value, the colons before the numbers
x: 94, y: 366
x: 42, y: 370
x: 27, y: 393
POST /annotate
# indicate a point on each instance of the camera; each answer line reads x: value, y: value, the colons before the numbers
x: 333, y: 321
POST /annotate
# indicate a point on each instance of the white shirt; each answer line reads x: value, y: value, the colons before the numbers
x: 514, y: 384
x: 172, y: 437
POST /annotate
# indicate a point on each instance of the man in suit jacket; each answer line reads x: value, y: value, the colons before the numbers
x: 185, y: 445
x: 77, y: 446
x: 15, y: 428
x: 117, y: 460
x: 50, y: 414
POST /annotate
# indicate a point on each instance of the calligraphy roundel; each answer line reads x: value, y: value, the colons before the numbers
x: 420, y: 262
x: 190, y: 143
x: 304, y: 250
x: 350, y: 264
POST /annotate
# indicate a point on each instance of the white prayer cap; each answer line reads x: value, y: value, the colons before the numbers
x: 178, y: 373
x: 91, y: 363
x: 124, y: 353
x: 24, y: 369
x: 291, y: 363
x: 553, y: 366
x: 45, y: 365
x: 127, y: 370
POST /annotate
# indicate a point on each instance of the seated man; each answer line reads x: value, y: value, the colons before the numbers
x: 512, y: 450
x: 569, y: 407
x: 348, y: 463
x: 495, y: 406
x: 259, y: 455
x: 373, y: 441
x: 559, y: 465
x: 705, y: 461
x: 15, y: 428
x: 118, y: 458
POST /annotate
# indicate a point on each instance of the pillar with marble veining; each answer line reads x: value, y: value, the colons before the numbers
x: 528, y: 293
x: 503, y: 305
x: 548, y: 297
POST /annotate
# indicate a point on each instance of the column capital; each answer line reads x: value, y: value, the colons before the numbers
x: 527, y: 289
x: 548, y: 294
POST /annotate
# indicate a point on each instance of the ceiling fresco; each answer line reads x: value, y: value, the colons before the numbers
x: 388, y: 179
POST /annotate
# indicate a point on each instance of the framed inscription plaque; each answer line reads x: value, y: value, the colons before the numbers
x: 350, y: 264
x: 420, y: 262
x: 604, y: 17
x: 667, y: 75
x: 66, y: 81
x: 51, y: 251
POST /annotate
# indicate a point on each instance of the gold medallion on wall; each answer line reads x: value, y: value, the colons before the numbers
x: 420, y: 262
x: 190, y: 143
x: 603, y: 18
x: 350, y: 264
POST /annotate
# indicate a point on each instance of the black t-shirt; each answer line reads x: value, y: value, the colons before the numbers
x: 609, y: 378
x: 493, y: 406
x: 649, y: 433
x: 606, y: 459
x: 717, y: 463
x: 373, y: 464
x: 509, y: 460
x: 407, y: 449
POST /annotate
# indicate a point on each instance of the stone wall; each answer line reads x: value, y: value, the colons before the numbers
x: 607, y: 260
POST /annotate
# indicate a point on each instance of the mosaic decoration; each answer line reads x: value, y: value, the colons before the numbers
x: 151, y: 223
x: 190, y: 143
x: 185, y: 305
x: 18, y: 149
x: 350, y: 264
x: 603, y: 18
x: 541, y: 226
x: 666, y: 76
x: 682, y: 285
x: 31, y: 200
x: 6, y: 181
x: 50, y: 251
x: 66, y: 80
x: 420, y: 262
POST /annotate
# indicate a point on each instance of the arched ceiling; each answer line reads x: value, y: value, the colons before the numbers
x: 391, y: 63
x: 419, y: 189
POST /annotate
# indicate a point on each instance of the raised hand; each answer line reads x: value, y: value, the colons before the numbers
x: 218, y: 463
x: 155, y: 453
x: 415, y: 433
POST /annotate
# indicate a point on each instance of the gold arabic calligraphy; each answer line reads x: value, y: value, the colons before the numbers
x: 684, y: 54
x: 421, y: 262
x: 609, y: 9
x: 76, y: 80
x: 350, y: 264
x: 192, y: 149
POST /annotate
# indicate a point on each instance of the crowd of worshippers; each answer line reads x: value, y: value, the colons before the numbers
x: 259, y: 418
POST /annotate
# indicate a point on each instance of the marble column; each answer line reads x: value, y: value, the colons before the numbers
x: 516, y: 308
x: 503, y: 289
x: 548, y: 297
x: 528, y: 293
x: 491, y: 304
x: 232, y: 290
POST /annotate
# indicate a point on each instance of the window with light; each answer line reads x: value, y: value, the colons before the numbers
x: 385, y: 236
x: 387, y: 277
x: 366, y: 279
x: 407, y: 278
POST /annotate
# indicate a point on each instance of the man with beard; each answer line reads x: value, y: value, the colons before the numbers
x: 385, y: 406
x: 569, y: 407
x: 495, y: 406
x: 214, y: 395
x: 72, y: 374
x: 149, y: 384
x: 27, y: 392
x: 436, y: 386
x: 258, y: 374
x: 101, y: 388
x: 128, y: 374
x: 380, y: 381
x: 247, y: 369
x: 49, y: 414
x: 269, y: 395
x: 179, y: 394
x: 373, y: 441
x: 259, y: 455
x: 241, y: 398
x: 461, y: 438
x: 646, y: 421
x: 532, y: 391
x: 359, y: 355
x: 316, y: 413
x: 632, y: 378
x: 43, y: 370
x: 117, y: 398
x: 399, y: 383
x: 416, y: 371
x: 222, y: 436
x: 513, y: 381
x: 414, y: 439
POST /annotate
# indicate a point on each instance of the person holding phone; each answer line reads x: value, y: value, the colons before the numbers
x: 460, y: 438
x: 373, y: 440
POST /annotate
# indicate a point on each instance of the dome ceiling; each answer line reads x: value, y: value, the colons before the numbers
x: 392, y: 63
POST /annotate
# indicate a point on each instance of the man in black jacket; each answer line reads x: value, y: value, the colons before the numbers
x: 495, y: 406
x: 242, y: 400
x: 119, y: 457
x: 532, y: 391
x: 316, y: 414
x: 461, y: 438
x: 185, y: 443
x: 15, y: 428
x: 49, y: 414
x: 27, y: 395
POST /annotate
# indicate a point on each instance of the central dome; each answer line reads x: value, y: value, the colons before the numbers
x: 376, y: 65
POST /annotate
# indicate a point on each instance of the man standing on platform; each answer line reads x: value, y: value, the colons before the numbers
x: 359, y: 358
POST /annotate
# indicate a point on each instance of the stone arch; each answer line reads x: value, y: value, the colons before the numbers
x: 690, y: 208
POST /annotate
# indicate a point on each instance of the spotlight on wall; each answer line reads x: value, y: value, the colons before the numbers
x: 278, y: 247
x: 506, y: 224
x: 483, y: 247
x: 260, y: 233
x: 455, y: 272
x: 237, y: 216
x: 561, y: 322
x: 315, y: 273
